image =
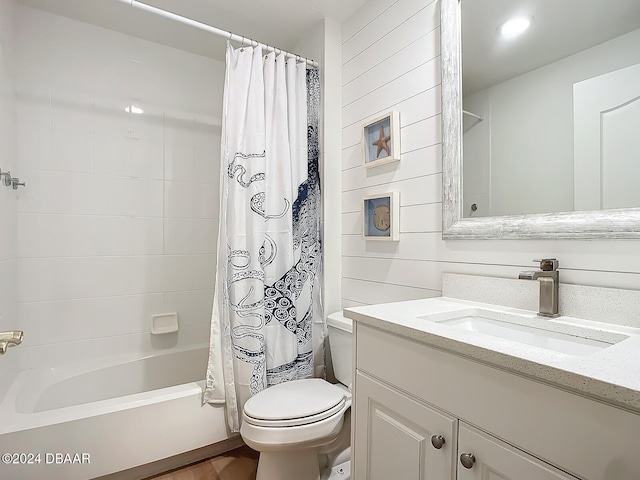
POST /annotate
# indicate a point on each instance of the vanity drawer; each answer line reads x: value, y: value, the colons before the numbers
x: 587, y: 438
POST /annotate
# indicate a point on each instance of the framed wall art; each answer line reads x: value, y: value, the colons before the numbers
x: 381, y: 140
x: 381, y: 217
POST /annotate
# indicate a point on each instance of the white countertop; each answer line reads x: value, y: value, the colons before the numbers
x: 611, y: 375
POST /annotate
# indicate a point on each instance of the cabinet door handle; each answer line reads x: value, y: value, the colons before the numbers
x: 467, y: 460
x: 437, y: 441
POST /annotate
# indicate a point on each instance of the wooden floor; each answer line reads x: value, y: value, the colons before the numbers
x: 238, y: 464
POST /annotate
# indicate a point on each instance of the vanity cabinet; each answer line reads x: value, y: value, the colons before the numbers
x: 408, y: 393
x: 496, y: 460
x: 393, y: 435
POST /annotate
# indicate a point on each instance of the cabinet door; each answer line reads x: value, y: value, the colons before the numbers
x: 496, y: 460
x: 393, y: 436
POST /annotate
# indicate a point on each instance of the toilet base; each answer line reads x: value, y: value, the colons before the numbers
x: 300, y: 465
x: 339, y: 472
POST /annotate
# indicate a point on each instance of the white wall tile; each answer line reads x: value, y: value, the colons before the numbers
x: 178, y: 273
x: 43, y: 235
x: 179, y: 154
x: 191, y: 200
x: 194, y: 308
x: 207, y: 153
x: 145, y: 236
x: 103, y: 243
x: 110, y: 117
x: 63, y: 278
x: 205, y: 271
x: 145, y: 197
x: 70, y: 320
x: 8, y: 198
x: 184, y: 236
x: 33, y: 117
x: 114, y: 195
x: 8, y: 295
x: 111, y: 154
x: 56, y: 192
x: 147, y: 158
x: 148, y: 126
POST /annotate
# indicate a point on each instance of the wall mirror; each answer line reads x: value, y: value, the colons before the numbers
x: 540, y: 136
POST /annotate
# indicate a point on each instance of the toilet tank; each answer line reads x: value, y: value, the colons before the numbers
x: 340, y: 342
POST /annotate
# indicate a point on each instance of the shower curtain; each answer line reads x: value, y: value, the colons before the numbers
x: 267, y: 325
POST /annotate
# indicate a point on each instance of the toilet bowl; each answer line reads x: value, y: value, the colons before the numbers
x: 293, y: 424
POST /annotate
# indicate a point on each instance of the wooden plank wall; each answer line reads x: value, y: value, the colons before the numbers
x: 391, y: 61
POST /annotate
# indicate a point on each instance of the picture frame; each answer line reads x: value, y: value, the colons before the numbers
x: 381, y: 217
x: 380, y: 136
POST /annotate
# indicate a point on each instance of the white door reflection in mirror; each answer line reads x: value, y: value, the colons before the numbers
x: 606, y: 140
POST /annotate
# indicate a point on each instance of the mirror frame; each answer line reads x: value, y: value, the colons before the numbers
x: 614, y: 224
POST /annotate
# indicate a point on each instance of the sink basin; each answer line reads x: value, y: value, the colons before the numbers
x: 529, y: 331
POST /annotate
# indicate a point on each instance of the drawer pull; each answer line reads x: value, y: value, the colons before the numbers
x: 437, y: 441
x: 467, y: 460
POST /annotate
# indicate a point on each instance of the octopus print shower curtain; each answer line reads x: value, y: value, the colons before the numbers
x: 267, y: 325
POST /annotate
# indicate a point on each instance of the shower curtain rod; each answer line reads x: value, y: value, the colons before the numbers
x: 210, y: 29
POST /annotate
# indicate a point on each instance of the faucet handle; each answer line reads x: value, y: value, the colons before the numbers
x: 547, y: 264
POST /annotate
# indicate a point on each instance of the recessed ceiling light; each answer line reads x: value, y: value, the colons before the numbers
x: 133, y: 109
x: 514, y: 26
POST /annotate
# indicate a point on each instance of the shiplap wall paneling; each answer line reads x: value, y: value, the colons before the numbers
x: 391, y: 61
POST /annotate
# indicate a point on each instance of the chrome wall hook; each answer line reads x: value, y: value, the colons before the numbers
x: 15, y: 183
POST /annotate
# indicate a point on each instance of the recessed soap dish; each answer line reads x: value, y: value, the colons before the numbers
x: 164, y: 323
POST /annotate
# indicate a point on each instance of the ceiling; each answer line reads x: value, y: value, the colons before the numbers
x: 559, y: 29
x: 281, y: 23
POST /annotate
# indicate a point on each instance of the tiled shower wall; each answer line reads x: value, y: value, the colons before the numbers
x: 8, y: 218
x: 391, y: 61
x: 119, y: 217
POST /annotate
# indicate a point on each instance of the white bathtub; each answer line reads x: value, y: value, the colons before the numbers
x: 84, y: 421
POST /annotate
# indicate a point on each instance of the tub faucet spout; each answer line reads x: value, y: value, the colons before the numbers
x: 549, y: 280
x: 10, y: 339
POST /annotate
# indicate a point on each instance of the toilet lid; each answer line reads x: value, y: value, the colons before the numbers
x: 294, y: 400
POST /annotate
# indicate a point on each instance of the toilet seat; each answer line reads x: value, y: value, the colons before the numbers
x: 297, y: 403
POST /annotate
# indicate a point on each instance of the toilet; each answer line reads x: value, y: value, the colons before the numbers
x: 302, y: 428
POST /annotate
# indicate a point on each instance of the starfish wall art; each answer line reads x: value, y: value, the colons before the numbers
x: 381, y: 140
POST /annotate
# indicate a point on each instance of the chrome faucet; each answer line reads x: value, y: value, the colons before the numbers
x: 10, y: 339
x: 548, y: 278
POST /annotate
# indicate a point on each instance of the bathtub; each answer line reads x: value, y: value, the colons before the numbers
x: 90, y: 420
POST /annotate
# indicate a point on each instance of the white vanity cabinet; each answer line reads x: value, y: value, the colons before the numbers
x: 514, y: 428
x: 495, y: 460
x: 394, y: 432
